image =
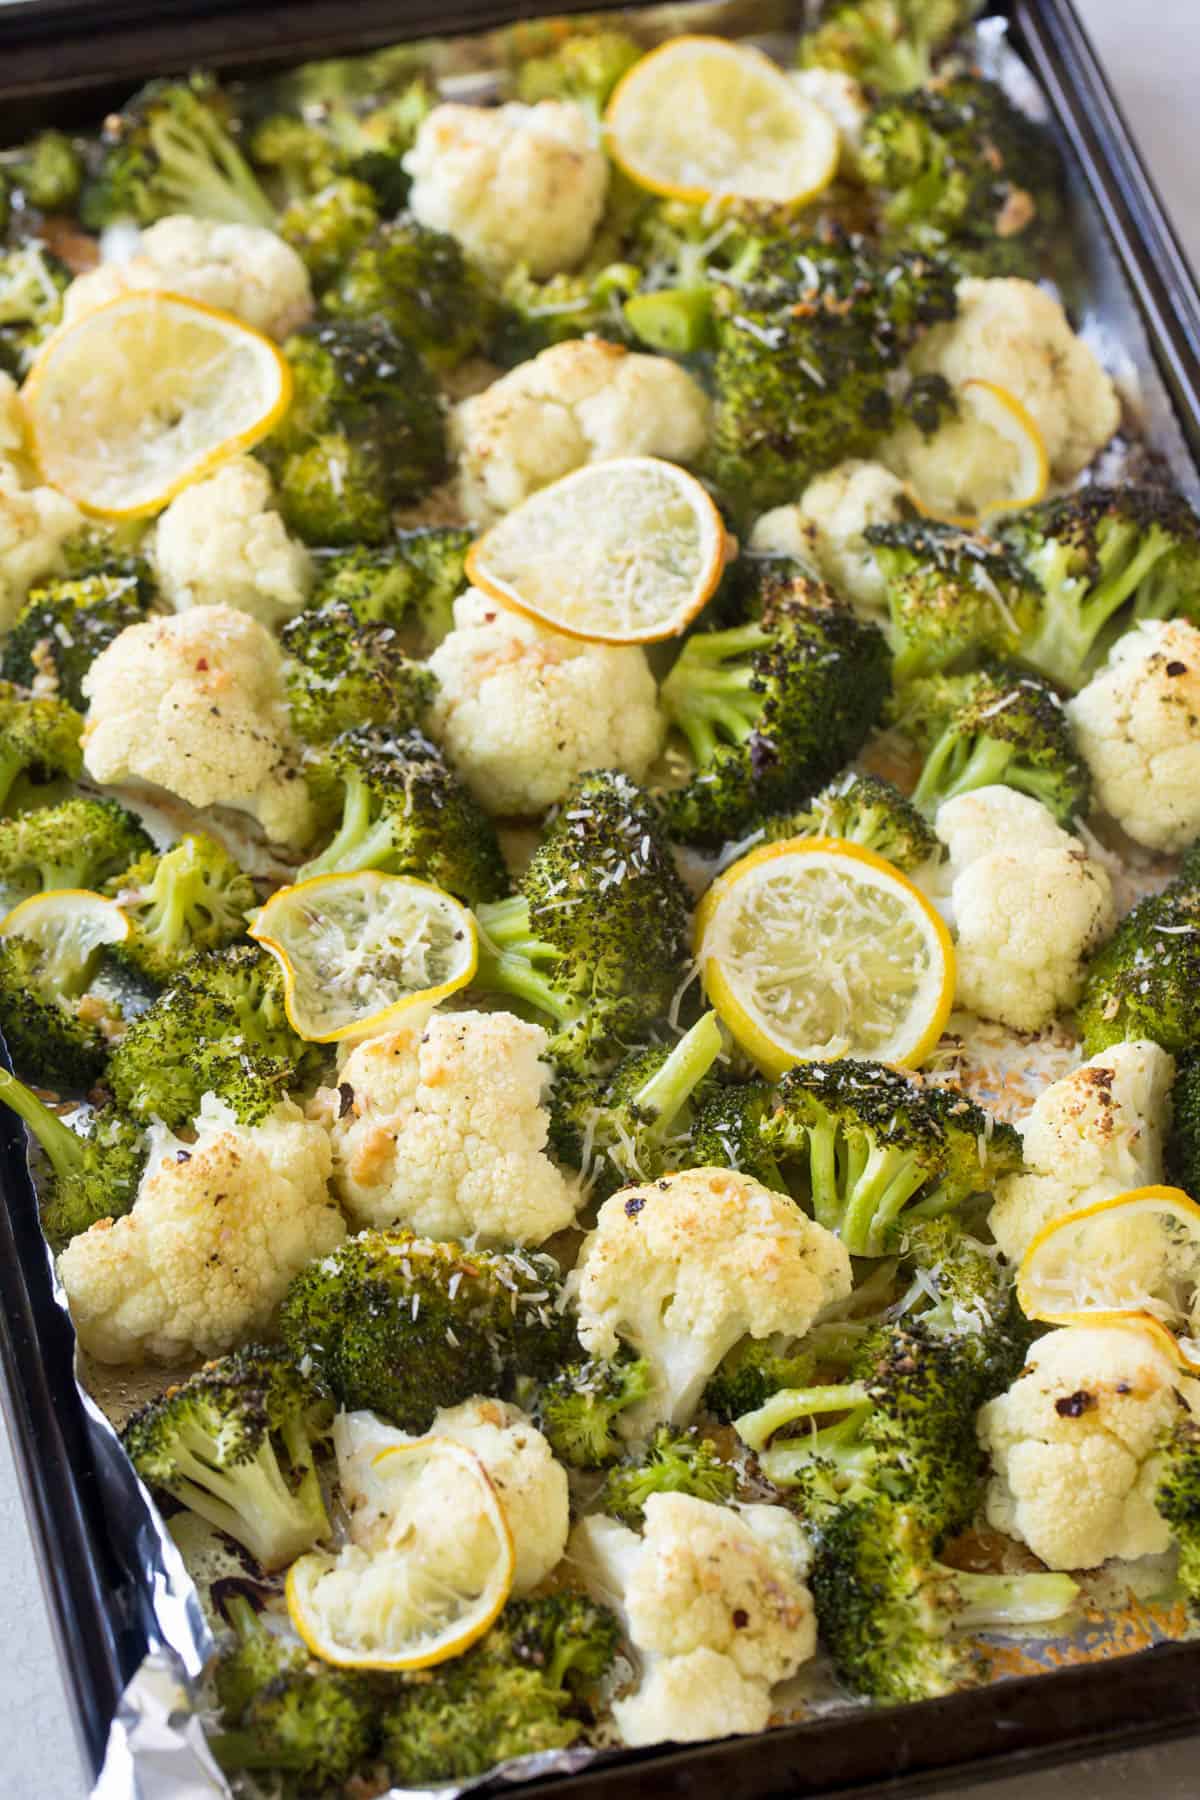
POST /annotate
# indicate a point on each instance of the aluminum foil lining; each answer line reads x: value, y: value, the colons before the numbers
x: 156, y: 1747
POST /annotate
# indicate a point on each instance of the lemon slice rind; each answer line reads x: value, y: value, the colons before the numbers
x: 70, y: 925
x: 1000, y: 409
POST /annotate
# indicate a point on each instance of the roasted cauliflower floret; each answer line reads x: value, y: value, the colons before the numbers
x: 194, y: 703
x: 35, y: 522
x: 1096, y: 1133
x: 1137, y: 723
x: 579, y: 402
x: 440, y: 1126
x: 681, y: 1269
x: 521, y: 712
x: 512, y: 183
x: 1074, y: 1445
x: 1028, y: 907
x: 686, y: 1699
x: 844, y: 99
x: 242, y: 269
x: 217, y: 1231
x: 221, y: 542
x: 826, y: 526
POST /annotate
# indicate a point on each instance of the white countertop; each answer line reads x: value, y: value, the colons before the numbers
x: 1154, y: 62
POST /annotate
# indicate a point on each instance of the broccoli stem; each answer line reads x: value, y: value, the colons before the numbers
x: 986, y: 1600
x: 360, y: 842
x: 859, y: 1188
x: 507, y: 949
x: 61, y: 1146
x: 661, y: 1099
x: 712, y: 692
x: 253, y: 1502
x: 228, y: 193
x: 789, y: 1404
x: 958, y: 765
x: 1070, y: 630
x: 673, y: 320
x: 10, y: 768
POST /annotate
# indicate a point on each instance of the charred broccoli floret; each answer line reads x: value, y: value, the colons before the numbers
x: 1104, y: 559
x: 329, y: 132
x: 1183, y: 1144
x: 596, y: 939
x: 753, y: 1371
x: 419, y: 281
x: 673, y: 1462
x: 404, y: 811
x: 32, y: 284
x: 727, y: 1133
x: 79, y: 843
x: 953, y: 596
x: 410, y: 583
x: 1177, y: 1498
x: 327, y: 228
x: 93, y: 1172
x: 886, y: 44
x: 771, y: 709
x: 862, y: 809
x: 191, y: 897
x: 172, y: 150
x: 584, y: 67
x: 998, y: 724
x: 579, y: 1408
x: 39, y: 740
x: 343, y: 671
x: 404, y: 1325
x: 65, y: 624
x: 1145, y: 981
x: 47, y: 171
x: 532, y: 315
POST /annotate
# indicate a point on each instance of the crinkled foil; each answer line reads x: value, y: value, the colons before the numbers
x: 156, y: 1747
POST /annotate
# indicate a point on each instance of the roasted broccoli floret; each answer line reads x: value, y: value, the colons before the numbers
x: 237, y: 1444
x: 79, y: 843
x: 403, y: 810
x: 221, y: 1028
x: 419, y: 281
x: 32, y: 284
x: 285, y: 1712
x: 329, y: 132
x: 585, y: 67
x: 171, y: 150
x: 864, y: 810
x: 771, y: 709
x: 365, y: 431
x: 39, y: 740
x: 343, y: 671
x: 404, y: 1325
x: 47, y: 171
x: 962, y: 173
x: 872, y: 1143
x: 1145, y: 981
x: 673, y: 1462
x: 957, y: 1291
x: 531, y: 315
x: 1183, y: 1143
x: 632, y: 1125
x: 52, y: 1023
x: 727, y: 1133
x: 886, y: 44
x: 325, y: 229
x: 93, y: 1172
x: 997, y: 724
x: 411, y: 582
x: 191, y: 897
x: 953, y: 596
x: 1177, y: 1498
x: 1104, y: 559
x: 596, y: 939
x: 807, y: 342
x: 65, y: 624
x: 753, y: 1371
x: 521, y: 1689
x: 579, y: 1408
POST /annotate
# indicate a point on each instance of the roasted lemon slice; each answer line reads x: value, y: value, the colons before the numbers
x: 701, y: 119
x: 620, y: 552
x: 70, y: 926
x: 818, y: 948
x: 359, y: 949
x: 147, y: 394
x: 1009, y: 468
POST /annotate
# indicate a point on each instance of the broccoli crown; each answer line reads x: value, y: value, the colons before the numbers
x: 191, y: 897
x: 39, y: 739
x: 886, y: 44
x: 93, y: 1172
x: 1145, y: 981
x: 584, y: 67
x: 862, y: 809
x: 952, y: 595
x: 1183, y: 1142
x: 282, y: 1711
x: 806, y: 341
x: 365, y: 431
x: 772, y: 708
x: 597, y: 937
x: 343, y: 671
x: 333, y: 134
x: 406, y: 812
x: 78, y: 843
x: 633, y: 1124
x: 754, y: 1370
x: 872, y: 1143
x: 419, y: 281
x: 326, y: 229
x: 673, y: 1462
x: 48, y: 171
x: 171, y: 150
x: 410, y: 583
x: 65, y: 624
x: 997, y: 724
x: 52, y: 1034
x: 237, y: 1444
x: 1104, y: 558
x: 531, y: 315
x: 405, y: 1325
x: 579, y: 1408
x: 1177, y: 1498
x: 960, y: 1292
x: 32, y: 284
x: 727, y: 1133
x: 963, y: 173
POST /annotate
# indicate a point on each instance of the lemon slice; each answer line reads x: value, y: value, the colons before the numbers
x: 818, y: 948
x: 621, y: 552
x: 1138, y: 1253
x: 144, y: 395
x: 702, y: 118
x: 407, y: 1604
x: 359, y: 949
x: 999, y: 482
x: 70, y: 926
